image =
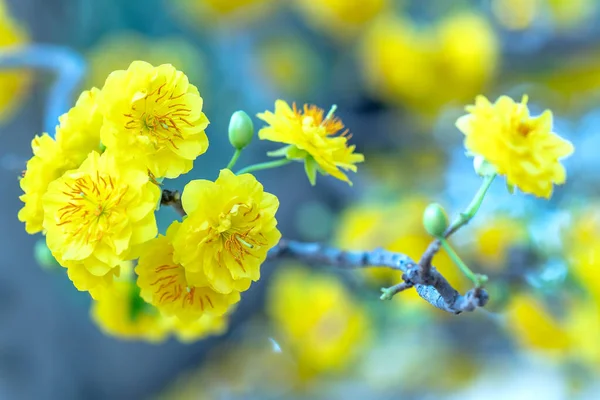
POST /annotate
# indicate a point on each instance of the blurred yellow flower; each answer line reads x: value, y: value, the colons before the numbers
x: 77, y: 135
x: 494, y: 237
x: 534, y: 327
x: 154, y: 114
x: 229, y: 229
x: 318, y: 319
x: 310, y: 136
x: 13, y: 84
x: 164, y: 284
x: 582, y: 249
x: 516, y: 14
x: 520, y: 147
x: 340, y: 17
x: 216, y: 13
x: 123, y: 314
x: 289, y: 65
x: 523, y: 14
x: 95, y: 217
x: 426, y: 69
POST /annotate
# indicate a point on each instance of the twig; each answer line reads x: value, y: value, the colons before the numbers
x: 432, y: 287
x: 172, y: 198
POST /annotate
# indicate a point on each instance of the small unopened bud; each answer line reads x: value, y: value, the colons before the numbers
x: 43, y: 256
x: 435, y: 220
x: 241, y: 130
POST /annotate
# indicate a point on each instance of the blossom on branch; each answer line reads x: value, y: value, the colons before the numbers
x: 311, y: 137
x: 229, y: 229
x: 154, y: 114
x: 521, y: 147
x: 76, y: 136
x: 163, y: 284
x: 97, y: 215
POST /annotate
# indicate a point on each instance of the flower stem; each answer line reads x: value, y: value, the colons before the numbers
x: 477, y: 279
x: 464, y: 217
x: 264, y: 165
x: 234, y: 158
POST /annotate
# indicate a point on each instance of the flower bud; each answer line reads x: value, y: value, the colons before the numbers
x: 241, y: 130
x: 435, y: 220
x: 43, y: 256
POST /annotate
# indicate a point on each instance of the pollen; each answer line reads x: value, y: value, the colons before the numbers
x: 90, y: 202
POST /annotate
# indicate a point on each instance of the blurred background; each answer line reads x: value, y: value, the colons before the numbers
x: 400, y: 72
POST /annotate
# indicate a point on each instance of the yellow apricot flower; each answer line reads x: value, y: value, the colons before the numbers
x: 521, y: 147
x: 164, y: 284
x: 201, y: 328
x: 123, y: 314
x: 96, y: 216
x: 229, y: 229
x: 155, y: 115
x: 46, y: 165
x: 310, y: 137
x: 318, y: 319
x: 77, y: 135
x: 14, y: 83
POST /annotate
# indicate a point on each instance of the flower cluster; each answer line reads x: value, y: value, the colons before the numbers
x: 93, y: 190
x: 203, y: 264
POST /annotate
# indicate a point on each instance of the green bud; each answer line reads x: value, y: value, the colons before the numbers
x: 43, y: 256
x: 435, y: 220
x: 241, y: 130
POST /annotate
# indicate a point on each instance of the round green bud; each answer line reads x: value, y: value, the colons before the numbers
x: 43, y: 256
x: 435, y: 220
x: 241, y: 130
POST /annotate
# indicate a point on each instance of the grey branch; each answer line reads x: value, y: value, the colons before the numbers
x: 431, y: 285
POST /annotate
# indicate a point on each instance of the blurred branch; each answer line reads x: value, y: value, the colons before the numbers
x: 429, y: 283
x: 67, y: 65
x: 172, y: 198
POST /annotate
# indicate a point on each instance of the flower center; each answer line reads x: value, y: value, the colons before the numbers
x: 159, y: 116
x: 234, y: 230
x: 313, y: 116
x: 171, y: 285
x: 524, y: 128
x: 90, y: 206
